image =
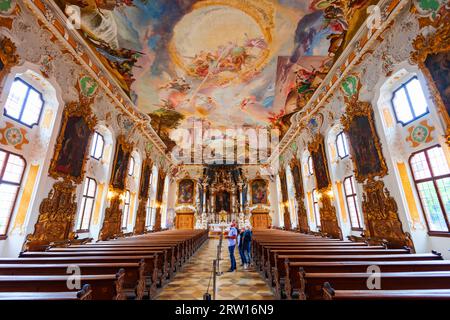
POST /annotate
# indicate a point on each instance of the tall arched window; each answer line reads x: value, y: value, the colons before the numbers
x: 126, y: 209
x: 432, y: 179
x: 97, y: 146
x: 148, y: 208
x: 342, y: 145
x: 316, y: 210
x: 24, y: 103
x: 409, y: 102
x: 310, y: 166
x: 131, y: 166
x: 87, y: 204
x: 12, y: 167
x: 352, y: 203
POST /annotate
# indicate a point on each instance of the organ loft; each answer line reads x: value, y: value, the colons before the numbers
x: 148, y: 147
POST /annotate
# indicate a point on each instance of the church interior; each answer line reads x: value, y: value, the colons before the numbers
x: 147, y: 146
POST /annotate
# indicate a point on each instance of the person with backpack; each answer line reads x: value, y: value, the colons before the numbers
x: 232, y: 235
x: 247, y: 243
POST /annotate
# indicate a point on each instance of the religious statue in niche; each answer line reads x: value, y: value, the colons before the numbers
x: 186, y: 191
x: 76, y: 137
x: 120, y: 165
x: 259, y: 191
x: 439, y: 67
x: 317, y: 151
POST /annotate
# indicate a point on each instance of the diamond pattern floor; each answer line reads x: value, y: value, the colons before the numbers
x: 191, y: 282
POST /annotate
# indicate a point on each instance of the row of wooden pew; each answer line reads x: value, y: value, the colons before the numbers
x: 305, y: 266
x: 124, y: 268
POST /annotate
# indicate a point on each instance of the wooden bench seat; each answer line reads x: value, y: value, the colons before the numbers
x: 84, y: 294
x: 104, y: 287
x: 434, y: 294
x: 312, y: 283
x: 134, y: 282
x: 292, y: 280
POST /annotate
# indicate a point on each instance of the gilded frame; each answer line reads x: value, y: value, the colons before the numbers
x: 8, y: 57
x: 295, y: 163
x: 250, y: 183
x: 127, y: 148
x: 438, y: 42
x: 364, y: 109
x: 317, y: 146
x: 194, y: 193
x: 148, y: 163
x: 73, y: 109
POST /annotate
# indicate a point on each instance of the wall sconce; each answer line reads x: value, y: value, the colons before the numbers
x: 111, y: 194
x: 330, y: 194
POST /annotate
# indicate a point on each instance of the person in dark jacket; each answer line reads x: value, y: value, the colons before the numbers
x: 246, y: 240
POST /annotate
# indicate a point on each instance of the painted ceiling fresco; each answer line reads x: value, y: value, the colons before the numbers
x: 226, y: 63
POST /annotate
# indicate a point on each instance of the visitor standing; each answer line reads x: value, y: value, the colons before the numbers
x: 246, y: 239
x: 232, y: 235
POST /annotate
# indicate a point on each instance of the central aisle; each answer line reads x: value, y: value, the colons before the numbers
x: 192, y: 281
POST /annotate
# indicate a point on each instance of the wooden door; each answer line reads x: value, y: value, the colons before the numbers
x: 260, y: 220
x: 185, y: 221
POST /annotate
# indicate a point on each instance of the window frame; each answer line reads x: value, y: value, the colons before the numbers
x: 79, y: 230
x: 438, y: 193
x: 95, y: 141
x: 354, y: 196
x: 404, y: 87
x: 315, y: 201
x: 345, y: 143
x: 2, y: 172
x: 22, y: 108
x: 126, y: 208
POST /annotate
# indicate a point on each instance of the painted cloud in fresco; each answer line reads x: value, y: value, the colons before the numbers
x: 225, y: 62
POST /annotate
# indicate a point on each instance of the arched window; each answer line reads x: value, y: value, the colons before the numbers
x: 12, y: 167
x: 409, y: 102
x: 24, y: 103
x: 310, y: 166
x: 148, y: 208
x: 126, y: 209
x: 87, y: 204
x: 98, y: 144
x: 352, y: 203
x: 432, y: 179
x: 342, y: 145
x: 316, y: 210
x: 131, y: 166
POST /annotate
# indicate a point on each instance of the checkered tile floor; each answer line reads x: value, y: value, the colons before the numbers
x: 192, y: 281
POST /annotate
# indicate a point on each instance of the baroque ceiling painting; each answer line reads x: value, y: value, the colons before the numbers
x: 226, y: 63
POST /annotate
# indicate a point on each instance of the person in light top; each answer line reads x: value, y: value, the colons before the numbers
x: 232, y: 235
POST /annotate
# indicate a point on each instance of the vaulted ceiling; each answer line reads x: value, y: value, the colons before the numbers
x: 226, y: 63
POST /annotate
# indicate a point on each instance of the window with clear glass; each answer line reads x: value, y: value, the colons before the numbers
x: 126, y: 209
x: 409, y: 102
x: 12, y: 167
x: 316, y: 207
x: 341, y: 145
x: 310, y: 166
x: 87, y: 204
x: 24, y: 103
x: 432, y: 179
x: 148, y: 208
x: 131, y: 166
x: 352, y: 203
x: 97, y: 146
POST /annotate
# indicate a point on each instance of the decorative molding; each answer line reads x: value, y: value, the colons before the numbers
x: 8, y: 58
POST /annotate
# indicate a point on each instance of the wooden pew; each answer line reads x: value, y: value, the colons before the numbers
x: 150, y: 264
x: 134, y: 283
x: 293, y: 281
x: 104, y: 287
x: 312, y: 283
x: 84, y: 294
x: 426, y: 294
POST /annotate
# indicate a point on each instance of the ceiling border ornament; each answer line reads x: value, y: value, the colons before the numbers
x: 72, y: 109
x: 355, y: 109
x: 434, y: 43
